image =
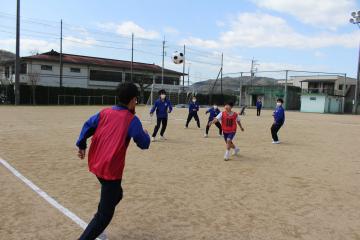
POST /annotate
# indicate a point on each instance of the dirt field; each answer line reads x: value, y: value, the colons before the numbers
x: 305, y: 188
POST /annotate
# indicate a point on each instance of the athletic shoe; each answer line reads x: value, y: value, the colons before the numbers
x: 102, y: 237
x: 220, y: 135
x: 236, y: 151
x: 153, y: 139
x: 162, y: 138
x: 226, y: 156
x: 206, y: 136
x: 276, y: 142
x: 185, y: 127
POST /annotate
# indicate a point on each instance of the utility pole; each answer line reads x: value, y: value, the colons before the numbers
x: 163, y: 61
x: 221, y: 77
x: 286, y: 88
x: 61, y: 60
x: 17, y: 59
x: 188, y: 77
x: 132, y: 56
x: 183, y: 77
x: 355, y: 19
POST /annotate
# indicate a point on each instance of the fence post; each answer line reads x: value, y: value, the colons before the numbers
x: 58, y: 99
x: 102, y: 100
x: 74, y: 100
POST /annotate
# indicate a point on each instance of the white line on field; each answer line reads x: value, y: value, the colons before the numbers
x: 45, y: 196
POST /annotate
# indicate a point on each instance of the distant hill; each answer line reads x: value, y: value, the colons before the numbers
x: 6, y: 56
x: 231, y: 84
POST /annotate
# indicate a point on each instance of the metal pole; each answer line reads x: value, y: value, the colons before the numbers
x: 344, y: 94
x: 188, y: 76
x: 132, y: 56
x: 286, y: 88
x: 240, y: 95
x: 163, y: 61
x: 17, y: 59
x: 356, y: 99
x: 221, y: 76
x: 61, y: 60
x: 183, y: 77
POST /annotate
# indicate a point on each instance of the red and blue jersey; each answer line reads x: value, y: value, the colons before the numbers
x: 112, y: 130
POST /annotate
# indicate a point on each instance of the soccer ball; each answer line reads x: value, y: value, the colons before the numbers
x: 178, y: 57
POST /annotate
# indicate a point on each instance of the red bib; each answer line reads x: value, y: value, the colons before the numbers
x: 109, y: 144
x: 228, y: 122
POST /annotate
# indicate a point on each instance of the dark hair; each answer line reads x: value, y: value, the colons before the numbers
x: 280, y: 100
x: 162, y: 91
x: 231, y: 104
x: 126, y: 92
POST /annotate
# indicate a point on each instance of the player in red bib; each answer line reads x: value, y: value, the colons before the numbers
x: 229, y: 121
x: 111, y: 130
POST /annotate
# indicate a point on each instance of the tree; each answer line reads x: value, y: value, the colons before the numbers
x: 33, y: 80
x: 144, y: 81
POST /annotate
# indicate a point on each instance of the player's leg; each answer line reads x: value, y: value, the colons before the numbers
x: 207, y: 129
x: 190, y: 116
x: 111, y: 194
x: 163, y: 126
x: 157, y: 126
x: 218, y: 125
x: 196, y: 117
x: 274, y: 130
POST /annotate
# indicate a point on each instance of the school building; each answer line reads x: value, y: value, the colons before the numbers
x: 93, y: 75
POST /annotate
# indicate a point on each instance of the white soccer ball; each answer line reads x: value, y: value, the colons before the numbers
x: 178, y: 57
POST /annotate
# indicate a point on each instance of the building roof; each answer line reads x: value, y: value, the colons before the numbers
x: 319, y: 80
x: 54, y: 56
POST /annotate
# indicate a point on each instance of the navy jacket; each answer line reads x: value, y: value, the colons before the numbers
x: 161, y: 108
x: 258, y: 104
x: 213, y: 113
x: 279, y: 115
x: 193, y: 107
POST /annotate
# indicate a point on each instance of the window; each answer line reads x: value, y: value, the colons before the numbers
x: 313, y: 98
x: 23, y: 68
x: 107, y: 76
x: 46, y: 67
x: 168, y: 80
x: 139, y: 78
x: 340, y: 87
x: 75, y: 70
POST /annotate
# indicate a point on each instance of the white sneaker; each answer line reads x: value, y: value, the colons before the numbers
x: 227, y: 156
x: 220, y: 135
x: 275, y: 142
x: 162, y: 138
x: 206, y: 136
x: 185, y: 127
x: 152, y: 139
x: 236, y: 151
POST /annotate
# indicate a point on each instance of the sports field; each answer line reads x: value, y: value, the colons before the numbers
x: 305, y: 188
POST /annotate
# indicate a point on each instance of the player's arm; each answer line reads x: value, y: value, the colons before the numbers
x: 216, y: 119
x: 87, y: 131
x: 140, y: 136
x: 170, y: 107
x: 238, y: 121
x: 153, y: 108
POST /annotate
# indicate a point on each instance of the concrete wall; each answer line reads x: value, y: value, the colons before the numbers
x: 313, y: 103
x: 321, y: 104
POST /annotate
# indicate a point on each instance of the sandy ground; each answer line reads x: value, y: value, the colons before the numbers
x: 305, y: 188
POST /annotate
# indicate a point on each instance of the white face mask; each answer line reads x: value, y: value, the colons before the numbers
x: 194, y: 100
x: 162, y: 96
x: 215, y: 107
x: 278, y: 104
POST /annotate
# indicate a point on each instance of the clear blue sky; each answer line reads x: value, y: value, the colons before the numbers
x: 315, y: 35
